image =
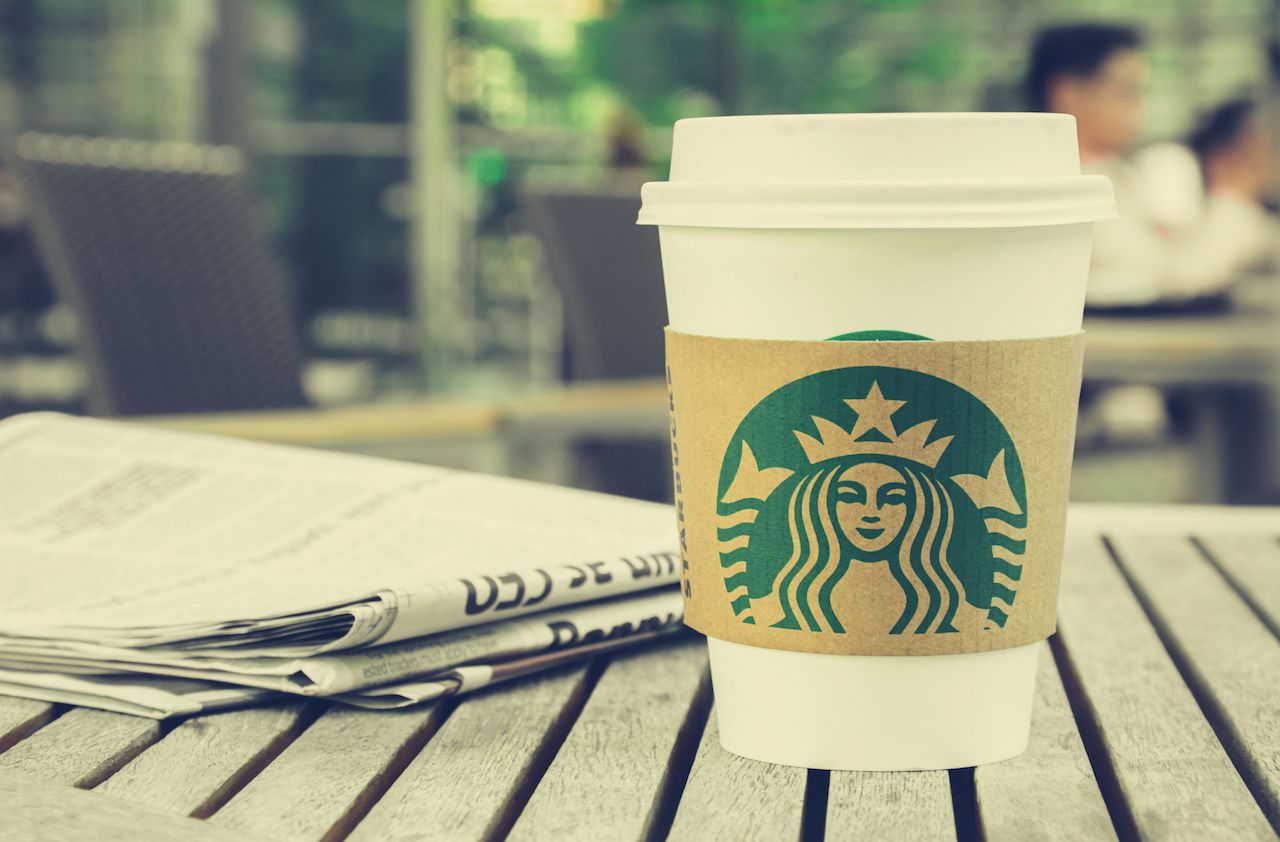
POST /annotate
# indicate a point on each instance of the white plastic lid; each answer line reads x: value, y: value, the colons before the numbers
x: 961, y: 170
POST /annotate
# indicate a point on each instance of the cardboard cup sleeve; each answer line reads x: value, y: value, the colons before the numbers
x: 898, y: 496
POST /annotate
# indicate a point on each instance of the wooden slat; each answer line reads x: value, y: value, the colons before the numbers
x: 1251, y: 561
x: 198, y: 764
x: 326, y: 780
x: 612, y: 774
x: 870, y: 806
x: 1174, y: 779
x: 481, y: 761
x: 731, y: 797
x: 20, y: 717
x: 40, y: 811
x: 81, y: 747
x: 1230, y: 658
x: 1049, y: 793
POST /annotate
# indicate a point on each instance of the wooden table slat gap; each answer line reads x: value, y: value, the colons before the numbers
x: 1246, y: 596
x: 764, y: 804
x: 964, y: 805
x: 327, y: 779
x: 556, y: 735
x: 84, y: 747
x: 606, y: 781
x: 43, y: 811
x: 1104, y: 770
x: 126, y: 753
x: 479, y: 762
x: 261, y: 760
x: 26, y: 718
x: 140, y: 785
x: 1172, y: 768
x: 817, y: 792
x: 381, y: 782
x: 1219, y: 718
x: 1010, y: 795
x: 680, y: 763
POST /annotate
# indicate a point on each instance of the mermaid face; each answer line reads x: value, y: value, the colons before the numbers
x: 871, y: 505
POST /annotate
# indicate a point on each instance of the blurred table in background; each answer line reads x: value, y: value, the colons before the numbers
x: 1239, y: 347
x: 526, y: 434
x: 1224, y: 366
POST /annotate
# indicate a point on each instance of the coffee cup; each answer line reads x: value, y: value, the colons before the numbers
x: 833, y: 644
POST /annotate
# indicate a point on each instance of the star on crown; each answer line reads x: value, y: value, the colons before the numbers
x: 873, y: 434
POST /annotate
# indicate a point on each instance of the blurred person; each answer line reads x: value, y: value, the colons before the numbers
x: 1234, y: 150
x: 1094, y: 72
x: 1185, y: 229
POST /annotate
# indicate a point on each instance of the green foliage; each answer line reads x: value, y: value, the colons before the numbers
x: 668, y: 59
x: 653, y: 52
x: 488, y: 166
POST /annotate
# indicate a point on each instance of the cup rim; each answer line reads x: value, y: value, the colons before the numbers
x: 939, y: 203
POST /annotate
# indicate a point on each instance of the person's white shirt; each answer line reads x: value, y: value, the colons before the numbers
x: 1171, y: 240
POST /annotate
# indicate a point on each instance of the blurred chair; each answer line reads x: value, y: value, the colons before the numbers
x: 609, y: 271
x: 161, y: 252
x: 610, y: 275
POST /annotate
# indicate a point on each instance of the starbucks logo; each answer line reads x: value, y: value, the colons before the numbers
x: 872, y: 483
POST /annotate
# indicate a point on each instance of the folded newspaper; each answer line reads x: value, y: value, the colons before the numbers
x: 164, y: 573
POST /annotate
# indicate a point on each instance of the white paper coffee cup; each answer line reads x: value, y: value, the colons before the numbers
x: 949, y: 226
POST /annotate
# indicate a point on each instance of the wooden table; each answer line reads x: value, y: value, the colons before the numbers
x: 1156, y: 717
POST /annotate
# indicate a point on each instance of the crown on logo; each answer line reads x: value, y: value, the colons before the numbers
x: 874, y: 417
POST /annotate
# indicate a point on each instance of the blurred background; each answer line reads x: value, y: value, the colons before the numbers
x: 404, y: 227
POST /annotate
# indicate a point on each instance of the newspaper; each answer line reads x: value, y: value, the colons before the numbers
x: 470, y: 678
x: 161, y: 697
x: 131, y: 556
x: 130, y: 536
x: 154, y: 697
x: 348, y: 671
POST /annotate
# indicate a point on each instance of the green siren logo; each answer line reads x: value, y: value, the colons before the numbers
x: 887, y: 480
